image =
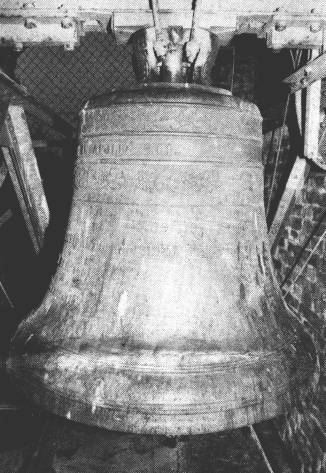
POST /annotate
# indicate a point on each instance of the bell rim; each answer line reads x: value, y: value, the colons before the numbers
x: 264, y: 390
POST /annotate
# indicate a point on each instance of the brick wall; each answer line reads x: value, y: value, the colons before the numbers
x: 300, y: 263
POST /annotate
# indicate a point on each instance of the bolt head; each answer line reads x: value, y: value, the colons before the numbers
x: 315, y: 27
x: 28, y: 5
x: 18, y: 47
x: 69, y: 46
x: 307, y: 71
x: 30, y: 23
x: 67, y: 23
x: 280, y: 26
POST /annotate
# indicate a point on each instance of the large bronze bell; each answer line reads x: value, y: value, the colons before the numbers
x: 164, y: 315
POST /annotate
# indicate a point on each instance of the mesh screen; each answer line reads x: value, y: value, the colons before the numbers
x: 64, y: 80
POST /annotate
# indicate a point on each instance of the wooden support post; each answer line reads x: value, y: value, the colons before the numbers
x: 293, y: 187
x: 23, y: 169
x: 312, y: 122
x: 301, y: 166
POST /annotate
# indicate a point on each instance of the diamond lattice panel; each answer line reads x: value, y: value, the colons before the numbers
x: 64, y: 80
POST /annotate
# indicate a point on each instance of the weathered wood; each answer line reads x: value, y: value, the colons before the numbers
x: 311, y: 72
x: 312, y: 120
x: 297, y: 35
x: 301, y: 166
x: 292, y: 190
x: 57, y: 8
x: 23, y: 169
x: 126, y: 17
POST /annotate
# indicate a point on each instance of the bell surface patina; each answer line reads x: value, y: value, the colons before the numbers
x: 164, y: 315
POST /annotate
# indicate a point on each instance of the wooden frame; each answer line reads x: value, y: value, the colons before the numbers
x: 21, y: 162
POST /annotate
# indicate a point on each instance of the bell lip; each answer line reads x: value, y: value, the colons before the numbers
x: 163, y: 424
x: 252, y: 391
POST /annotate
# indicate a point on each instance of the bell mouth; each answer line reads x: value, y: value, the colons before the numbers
x: 168, y: 393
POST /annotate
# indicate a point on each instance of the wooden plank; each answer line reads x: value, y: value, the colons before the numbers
x: 297, y: 36
x: 308, y: 74
x: 292, y: 190
x: 301, y: 166
x: 10, y: 7
x: 24, y: 173
x: 34, y: 30
x: 312, y: 122
x: 48, y: 20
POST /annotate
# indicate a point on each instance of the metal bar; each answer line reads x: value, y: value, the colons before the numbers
x: 195, y: 18
x: 277, y: 457
x: 156, y: 17
x: 5, y: 293
x: 260, y: 448
x: 279, y: 147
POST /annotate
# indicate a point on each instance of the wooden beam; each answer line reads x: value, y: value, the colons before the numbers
x: 312, y: 121
x: 23, y: 169
x: 301, y: 166
x: 58, y: 7
x: 53, y: 22
x: 292, y: 189
x: 311, y: 72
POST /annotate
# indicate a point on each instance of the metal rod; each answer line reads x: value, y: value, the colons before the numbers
x: 156, y: 17
x: 233, y: 68
x: 195, y: 17
x: 278, y: 154
x: 260, y: 448
x: 6, y: 295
